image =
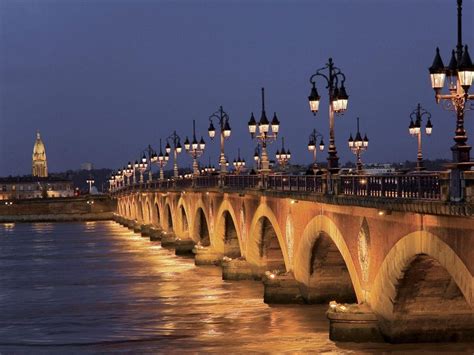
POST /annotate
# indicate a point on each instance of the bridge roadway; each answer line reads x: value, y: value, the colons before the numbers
x: 394, y: 259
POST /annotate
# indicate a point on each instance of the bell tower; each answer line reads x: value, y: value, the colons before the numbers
x: 40, y: 166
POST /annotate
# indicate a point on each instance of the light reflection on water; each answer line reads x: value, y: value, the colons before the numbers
x: 98, y: 287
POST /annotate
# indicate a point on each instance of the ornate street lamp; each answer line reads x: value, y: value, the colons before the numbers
x: 265, y: 132
x: 161, y: 159
x: 223, y: 121
x: 149, y: 155
x: 338, y: 99
x: 119, y: 178
x: 209, y: 169
x: 128, y: 172
x: 283, y: 156
x: 239, y: 163
x: 141, y: 166
x: 416, y: 118
x: 176, y: 140
x: 90, y: 181
x: 313, y: 137
x: 460, y: 73
x: 112, y: 181
x: 358, y: 146
x: 195, y: 149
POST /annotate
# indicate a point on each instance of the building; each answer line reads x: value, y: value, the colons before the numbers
x: 39, y: 163
x: 28, y: 187
x: 87, y: 166
x: 39, y: 184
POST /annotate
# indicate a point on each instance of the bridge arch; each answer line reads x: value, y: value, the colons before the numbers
x: 200, y: 230
x: 148, y: 213
x: 422, y: 289
x: 168, y: 217
x: 402, y: 255
x: 182, y: 220
x: 323, y: 264
x: 266, y: 247
x: 156, y: 213
x: 226, y: 237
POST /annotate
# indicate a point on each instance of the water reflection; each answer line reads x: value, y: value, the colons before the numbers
x: 100, y: 287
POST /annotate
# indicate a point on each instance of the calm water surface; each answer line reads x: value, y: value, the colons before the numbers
x: 98, y: 287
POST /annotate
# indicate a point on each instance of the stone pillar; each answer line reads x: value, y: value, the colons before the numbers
x: 137, y: 227
x: 145, y: 230
x: 353, y: 323
x: 184, y: 246
x: 281, y: 289
x: 155, y: 234
x: 206, y: 256
x: 468, y: 183
x: 444, y: 181
x: 168, y: 239
x: 238, y: 269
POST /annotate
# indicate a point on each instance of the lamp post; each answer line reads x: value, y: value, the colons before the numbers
x: 460, y: 73
x: 148, y: 153
x: 141, y: 166
x: 239, y: 163
x: 161, y: 159
x: 283, y: 156
x: 267, y: 133
x: 223, y: 120
x: 119, y: 178
x: 338, y: 99
x: 128, y: 171
x: 195, y: 149
x: 313, y: 137
x: 358, y: 146
x: 90, y: 181
x: 256, y: 157
x: 210, y: 169
x: 176, y: 150
x: 414, y: 129
x: 112, y: 182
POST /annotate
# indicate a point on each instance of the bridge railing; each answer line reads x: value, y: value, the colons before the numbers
x: 242, y: 181
x: 206, y: 181
x: 416, y: 186
x: 425, y: 186
x: 300, y: 183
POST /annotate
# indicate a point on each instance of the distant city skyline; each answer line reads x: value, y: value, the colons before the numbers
x: 103, y: 79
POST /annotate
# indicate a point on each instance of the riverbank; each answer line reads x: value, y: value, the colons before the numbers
x: 74, y: 209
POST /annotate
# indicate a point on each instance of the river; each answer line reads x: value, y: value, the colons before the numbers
x: 98, y: 287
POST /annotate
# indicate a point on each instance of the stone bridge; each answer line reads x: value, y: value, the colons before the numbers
x: 392, y: 268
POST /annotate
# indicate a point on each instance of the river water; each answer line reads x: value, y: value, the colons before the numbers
x: 98, y: 287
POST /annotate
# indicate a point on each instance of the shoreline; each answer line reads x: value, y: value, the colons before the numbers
x: 67, y: 217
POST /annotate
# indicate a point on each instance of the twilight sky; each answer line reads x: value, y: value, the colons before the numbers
x: 102, y: 79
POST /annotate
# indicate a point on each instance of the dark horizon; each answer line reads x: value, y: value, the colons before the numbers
x: 103, y: 79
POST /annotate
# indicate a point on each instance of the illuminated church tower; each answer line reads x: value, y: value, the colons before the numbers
x: 40, y: 166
